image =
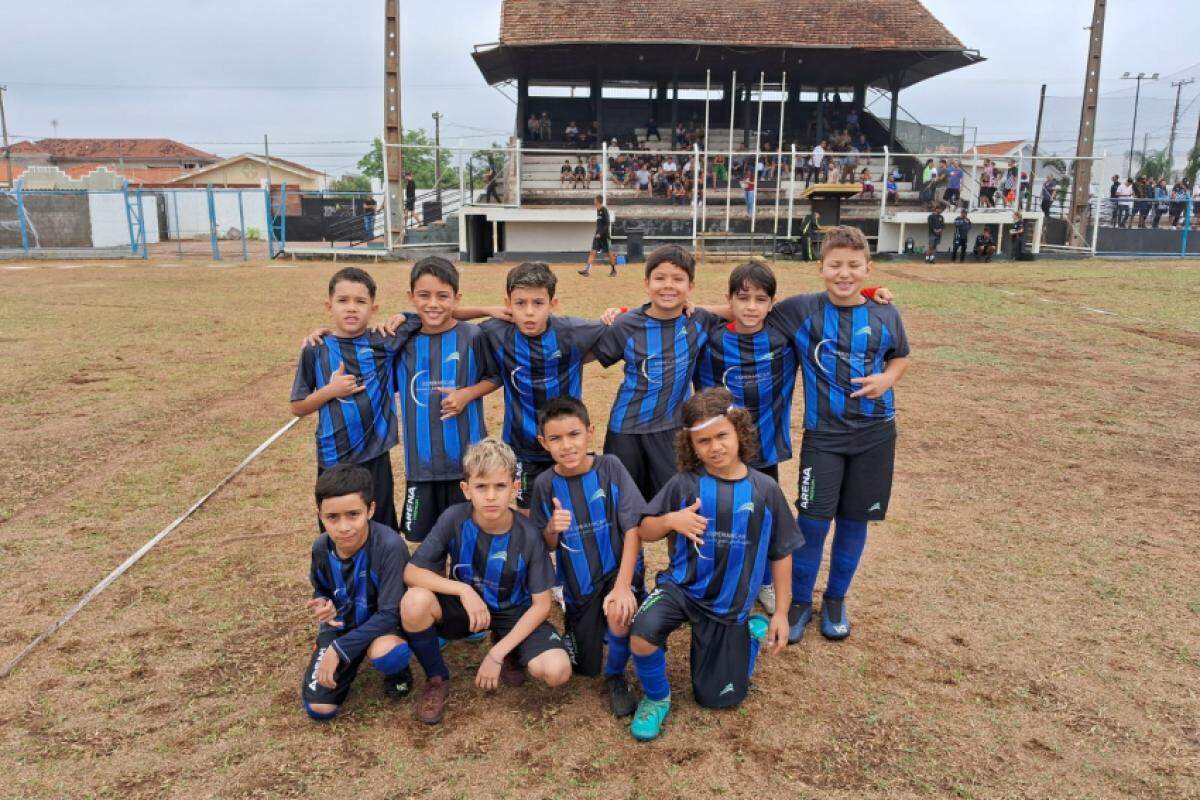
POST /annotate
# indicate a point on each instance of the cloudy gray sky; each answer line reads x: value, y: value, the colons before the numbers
x: 218, y: 74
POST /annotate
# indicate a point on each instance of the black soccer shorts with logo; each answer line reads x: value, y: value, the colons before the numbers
x: 424, y: 502
x: 456, y: 624
x: 720, y: 654
x: 316, y: 694
x: 847, y: 474
x: 527, y: 473
x: 587, y: 626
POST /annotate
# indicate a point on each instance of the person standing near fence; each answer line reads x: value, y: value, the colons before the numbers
x: 954, y: 179
x: 1114, y: 199
x: 1017, y: 232
x: 1125, y: 203
x: 410, y: 199
x: 1161, y: 196
x: 369, y: 209
x: 1049, y: 189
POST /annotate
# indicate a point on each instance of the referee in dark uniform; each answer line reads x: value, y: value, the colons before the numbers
x: 602, y: 240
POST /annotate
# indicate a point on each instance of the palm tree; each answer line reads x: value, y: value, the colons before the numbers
x: 1155, y: 165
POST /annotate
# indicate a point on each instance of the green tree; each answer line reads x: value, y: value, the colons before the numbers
x: 1193, y: 165
x: 351, y: 183
x: 1155, y: 165
x: 418, y: 160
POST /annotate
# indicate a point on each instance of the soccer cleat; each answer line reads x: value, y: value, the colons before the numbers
x: 511, y: 673
x: 766, y: 598
x: 431, y: 705
x: 399, y: 685
x: 799, y: 615
x: 835, y: 624
x: 620, y: 697
x: 585, y: 272
x: 759, y: 625
x: 648, y: 721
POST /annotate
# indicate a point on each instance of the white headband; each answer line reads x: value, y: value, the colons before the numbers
x: 699, y: 426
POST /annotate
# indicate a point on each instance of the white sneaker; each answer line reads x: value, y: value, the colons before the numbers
x: 557, y: 593
x: 766, y: 597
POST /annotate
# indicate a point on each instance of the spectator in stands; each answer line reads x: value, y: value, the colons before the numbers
x: 491, y: 179
x: 1024, y: 189
x: 595, y: 170
x: 1142, y: 193
x: 565, y: 173
x: 928, y: 179
x: 987, y: 185
x: 579, y: 177
x: 748, y: 186
x: 1009, y: 185
x: 1049, y: 190
x: 571, y: 133
x: 410, y: 200
x: 864, y: 149
x: 533, y: 128
x: 643, y: 178
x: 670, y: 167
x: 680, y: 136
x: 893, y: 189
x: 1125, y: 204
x: 652, y: 130
x: 1161, y: 198
x: 1179, y: 200
x: 820, y: 169
x: 1113, y: 191
x: 868, y: 190
x: 544, y: 127
x: 954, y: 179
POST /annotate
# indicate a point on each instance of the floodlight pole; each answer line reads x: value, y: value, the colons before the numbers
x: 1137, y: 94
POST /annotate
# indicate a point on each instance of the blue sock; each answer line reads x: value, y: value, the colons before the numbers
x: 393, y: 661
x: 806, y: 559
x: 652, y: 673
x: 618, y: 653
x: 767, y: 580
x: 319, y: 716
x: 849, y: 539
x: 424, y: 645
x: 754, y: 648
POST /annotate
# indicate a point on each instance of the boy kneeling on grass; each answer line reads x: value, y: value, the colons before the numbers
x: 723, y: 521
x: 500, y: 579
x: 357, y: 576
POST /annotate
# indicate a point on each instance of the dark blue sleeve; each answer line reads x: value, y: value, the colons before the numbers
x: 485, y: 358
x: 790, y: 313
x: 631, y: 506
x: 316, y: 577
x: 305, y: 382
x: 431, y: 554
x: 672, y: 497
x: 539, y: 574
x: 785, y: 536
x: 584, y: 333
x: 895, y: 327
x: 610, y: 345
x: 540, y: 506
x: 392, y: 556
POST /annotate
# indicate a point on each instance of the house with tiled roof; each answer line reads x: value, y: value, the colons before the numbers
x: 251, y: 170
x: 144, y: 161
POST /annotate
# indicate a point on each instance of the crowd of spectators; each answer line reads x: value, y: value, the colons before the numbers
x: 1142, y: 199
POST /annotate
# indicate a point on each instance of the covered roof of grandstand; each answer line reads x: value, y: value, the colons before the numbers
x: 818, y: 41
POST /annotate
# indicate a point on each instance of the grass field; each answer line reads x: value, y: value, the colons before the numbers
x: 1027, y: 620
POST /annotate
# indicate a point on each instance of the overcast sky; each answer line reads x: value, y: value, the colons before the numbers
x: 218, y: 74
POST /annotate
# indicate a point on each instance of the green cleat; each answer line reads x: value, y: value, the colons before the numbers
x: 648, y: 721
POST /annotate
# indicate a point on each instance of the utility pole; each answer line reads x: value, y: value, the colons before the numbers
x: 437, y: 155
x: 1081, y: 181
x: 4, y: 131
x: 1037, y: 140
x: 1141, y: 76
x: 1174, y: 123
x: 393, y: 156
x: 267, y: 156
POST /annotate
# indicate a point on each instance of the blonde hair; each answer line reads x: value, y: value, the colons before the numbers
x: 845, y: 236
x: 489, y: 455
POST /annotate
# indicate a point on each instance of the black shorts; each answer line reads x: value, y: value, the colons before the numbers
x: 649, y: 457
x: 587, y: 623
x: 380, y: 468
x: 847, y: 475
x: 934, y: 241
x: 455, y: 624
x: 528, y: 472
x: 601, y: 244
x: 313, y: 692
x: 720, y: 655
x: 424, y: 502
x: 409, y: 204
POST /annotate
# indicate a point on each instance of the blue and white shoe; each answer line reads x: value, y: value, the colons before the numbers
x: 835, y: 625
x: 799, y: 615
x: 759, y: 625
x: 648, y: 720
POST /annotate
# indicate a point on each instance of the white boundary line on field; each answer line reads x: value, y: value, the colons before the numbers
x: 133, y: 559
x: 1049, y: 301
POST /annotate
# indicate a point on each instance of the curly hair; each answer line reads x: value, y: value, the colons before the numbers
x: 704, y: 406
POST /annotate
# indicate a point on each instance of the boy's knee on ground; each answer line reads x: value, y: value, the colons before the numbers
x: 320, y: 711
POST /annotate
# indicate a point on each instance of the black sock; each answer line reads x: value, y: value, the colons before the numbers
x: 425, y: 647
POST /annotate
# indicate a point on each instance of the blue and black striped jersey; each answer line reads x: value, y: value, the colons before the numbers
x: 426, y: 365
x: 365, y: 588
x: 759, y: 370
x: 835, y: 344
x: 506, y: 569
x: 659, y: 357
x: 358, y: 427
x: 536, y: 369
x: 604, y: 503
x: 749, y: 523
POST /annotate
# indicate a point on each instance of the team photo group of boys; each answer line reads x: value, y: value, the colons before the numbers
x: 503, y: 527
